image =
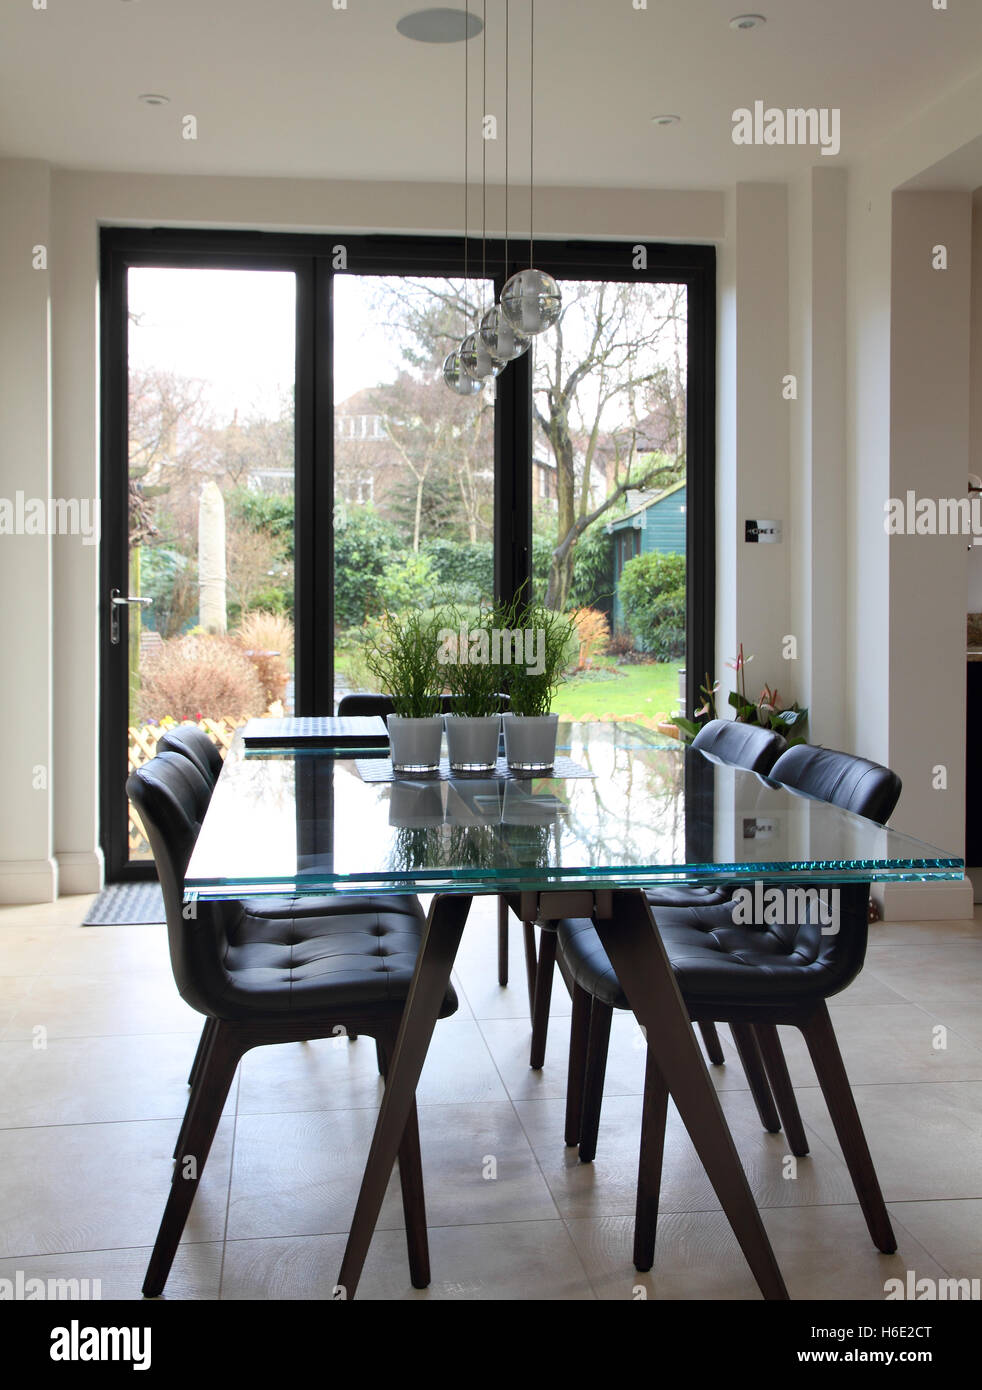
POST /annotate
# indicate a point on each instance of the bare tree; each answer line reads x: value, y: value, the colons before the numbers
x: 607, y: 359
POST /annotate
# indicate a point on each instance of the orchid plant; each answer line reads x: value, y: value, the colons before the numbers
x: 766, y: 711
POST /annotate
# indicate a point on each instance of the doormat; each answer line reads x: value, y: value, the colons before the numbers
x: 126, y: 904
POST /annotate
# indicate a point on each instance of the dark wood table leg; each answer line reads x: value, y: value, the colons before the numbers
x: 631, y: 940
x: 502, y: 942
x: 444, y: 927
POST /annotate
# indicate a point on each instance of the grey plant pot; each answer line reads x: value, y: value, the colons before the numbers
x: 530, y: 742
x: 472, y: 744
x: 414, y: 744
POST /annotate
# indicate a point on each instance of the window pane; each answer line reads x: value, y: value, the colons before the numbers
x: 211, y: 373
x: 609, y: 492
x: 414, y: 462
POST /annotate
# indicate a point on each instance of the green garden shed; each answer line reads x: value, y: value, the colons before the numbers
x: 657, y: 524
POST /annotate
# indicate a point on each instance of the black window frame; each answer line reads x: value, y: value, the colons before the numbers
x: 313, y: 257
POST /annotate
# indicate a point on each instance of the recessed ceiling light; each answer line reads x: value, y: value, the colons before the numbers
x: 440, y: 25
x: 748, y: 21
x: 665, y: 120
x: 153, y: 99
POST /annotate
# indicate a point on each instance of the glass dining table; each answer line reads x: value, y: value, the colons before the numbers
x: 625, y: 810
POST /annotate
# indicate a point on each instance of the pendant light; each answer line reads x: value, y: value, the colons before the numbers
x: 476, y: 356
x: 454, y: 373
x: 531, y: 300
x: 500, y: 337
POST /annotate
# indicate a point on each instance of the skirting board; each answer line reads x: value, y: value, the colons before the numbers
x: 945, y: 900
x: 28, y: 881
x: 79, y: 871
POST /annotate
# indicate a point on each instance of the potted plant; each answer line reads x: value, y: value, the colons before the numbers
x: 404, y: 661
x: 532, y: 674
x: 767, y: 710
x: 474, y: 723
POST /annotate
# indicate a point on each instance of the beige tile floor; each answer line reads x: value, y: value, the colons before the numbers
x: 95, y: 1046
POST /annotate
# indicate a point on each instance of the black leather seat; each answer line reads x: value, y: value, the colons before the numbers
x: 722, y: 741
x: 260, y: 980
x: 753, y: 977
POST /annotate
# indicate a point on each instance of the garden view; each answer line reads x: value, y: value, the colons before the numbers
x: 212, y: 486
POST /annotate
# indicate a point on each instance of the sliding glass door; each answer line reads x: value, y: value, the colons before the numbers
x: 283, y: 462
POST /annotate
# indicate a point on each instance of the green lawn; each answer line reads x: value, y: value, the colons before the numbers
x: 648, y: 692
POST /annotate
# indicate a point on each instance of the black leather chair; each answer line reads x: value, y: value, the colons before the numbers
x: 192, y: 741
x: 722, y: 740
x: 260, y: 980
x: 753, y: 977
x: 366, y: 704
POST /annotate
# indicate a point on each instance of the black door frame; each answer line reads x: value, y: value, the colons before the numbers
x: 316, y: 258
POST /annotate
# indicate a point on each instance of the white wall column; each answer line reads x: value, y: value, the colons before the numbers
x: 28, y: 872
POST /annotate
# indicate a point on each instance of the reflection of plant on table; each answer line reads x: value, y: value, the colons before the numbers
x: 472, y: 846
x: 418, y: 847
x: 767, y: 711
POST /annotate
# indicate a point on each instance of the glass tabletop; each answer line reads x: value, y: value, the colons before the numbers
x: 640, y: 811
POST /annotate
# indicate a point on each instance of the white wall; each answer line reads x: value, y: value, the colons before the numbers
x: 28, y: 872
x: 974, y: 557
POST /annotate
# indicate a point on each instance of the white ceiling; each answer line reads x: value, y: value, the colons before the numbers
x: 299, y: 88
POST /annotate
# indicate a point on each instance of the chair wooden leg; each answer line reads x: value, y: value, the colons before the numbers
x: 381, y: 1058
x: 593, y: 1084
x: 502, y: 942
x: 204, y: 1113
x: 543, y: 996
x: 714, y: 1048
x: 206, y: 1034
x: 411, y: 1183
x: 531, y: 962
x: 777, y: 1074
x: 654, y: 1114
x: 753, y: 1064
x: 579, y: 1038
x: 825, y: 1055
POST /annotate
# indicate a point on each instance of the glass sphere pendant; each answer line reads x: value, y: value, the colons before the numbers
x: 457, y: 379
x: 531, y: 301
x: 477, y: 360
x: 501, y: 338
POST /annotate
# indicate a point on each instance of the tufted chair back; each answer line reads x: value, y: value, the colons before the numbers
x: 171, y: 797
x: 856, y: 784
x: 193, y: 743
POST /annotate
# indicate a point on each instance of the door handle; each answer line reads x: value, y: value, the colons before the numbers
x: 117, y: 601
